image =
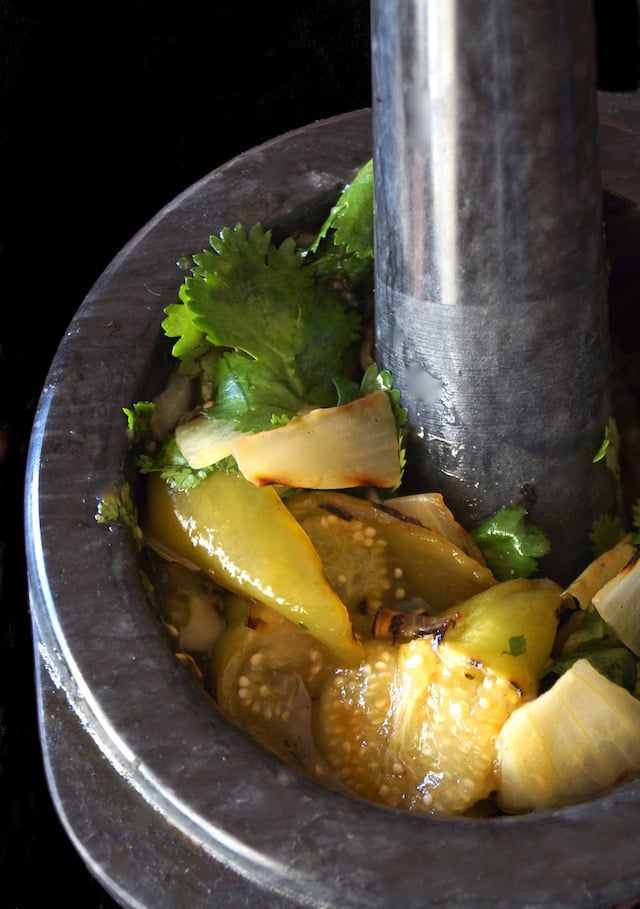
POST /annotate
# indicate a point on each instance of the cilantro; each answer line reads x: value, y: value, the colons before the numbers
x: 609, y: 450
x: 281, y: 334
x: 343, y: 249
x: 191, y: 340
x: 173, y: 467
x: 517, y: 646
x: 350, y: 221
x: 139, y: 421
x: 607, y: 530
x: 382, y: 380
x: 118, y: 508
x: 510, y: 544
x: 616, y: 663
x: 347, y: 390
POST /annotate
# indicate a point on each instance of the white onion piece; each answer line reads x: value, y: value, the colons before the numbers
x: 171, y: 403
x: 354, y: 444
x: 573, y: 742
x: 203, y: 626
x: 601, y: 570
x: 190, y: 600
x: 618, y: 603
x: 204, y: 441
x: 430, y: 510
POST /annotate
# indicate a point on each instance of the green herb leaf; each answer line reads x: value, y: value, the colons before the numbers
x: 607, y: 530
x: 139, y: 422
x: 618, y: 664
x: 118, y: 508
x: 351, y: 218
x: 609, y: 450
x: 171, y: 464
x: 510, y: 544
x: 282, y: 335
x: 517, y: 646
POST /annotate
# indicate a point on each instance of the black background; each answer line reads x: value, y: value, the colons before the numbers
x: 107, y: 112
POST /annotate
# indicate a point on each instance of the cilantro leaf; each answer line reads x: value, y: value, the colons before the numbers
x: 382, y: 380
x: 615, y: 662
x: 179, y: 324
x: 345, y: 243
x: 510, y: 544
x: 609, y: 450
x: 517, y: 646
x: 118, y: 507
x: 172, y: 466
x: 607, y: 530
x: 352, y: 216
x: 139, y: 422
x: 281, y: 333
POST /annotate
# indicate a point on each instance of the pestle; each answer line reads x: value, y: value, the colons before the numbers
x: 490, y: 268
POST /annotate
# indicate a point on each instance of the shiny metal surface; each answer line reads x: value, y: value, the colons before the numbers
x: 491, y: 280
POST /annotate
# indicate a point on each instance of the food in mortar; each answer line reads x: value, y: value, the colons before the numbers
x: 358, y: 632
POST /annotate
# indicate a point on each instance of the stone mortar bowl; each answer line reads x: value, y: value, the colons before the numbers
x: 166, y: 801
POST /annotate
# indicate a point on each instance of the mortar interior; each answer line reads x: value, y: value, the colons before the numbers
x: 163, y: 797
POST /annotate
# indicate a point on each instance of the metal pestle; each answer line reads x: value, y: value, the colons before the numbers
x: 491, y: 279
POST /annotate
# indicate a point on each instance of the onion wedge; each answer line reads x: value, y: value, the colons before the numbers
x: 618, y: 603
x: 204, y: 441
x: 351, y: 445
x: 573, y: 742
x: 430, y: 510
x: 600, y: 571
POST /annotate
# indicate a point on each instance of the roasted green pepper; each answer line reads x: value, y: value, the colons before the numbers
x: 375, y: 556
x: 247, y: 541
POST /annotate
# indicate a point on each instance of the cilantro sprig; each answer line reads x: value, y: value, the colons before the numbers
x: 510, y: 543
x: 344, y: 245
x: 281, y: 334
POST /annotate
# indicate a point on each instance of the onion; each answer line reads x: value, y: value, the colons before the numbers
x: 430, y: 510
x: 618, y: 603
x: 205, y: 441
x: 171, y: 404
x: 350, y: 445
x: 600, y: 571
x: 573, y: 742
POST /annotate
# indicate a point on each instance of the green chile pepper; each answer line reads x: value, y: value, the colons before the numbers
x: 244, y: 537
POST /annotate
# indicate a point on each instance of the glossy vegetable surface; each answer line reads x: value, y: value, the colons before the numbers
x: 375, y: 556
x: 368, y: 637
x: 415, y: 725
x: 244, y: 537
x: 572, y: 743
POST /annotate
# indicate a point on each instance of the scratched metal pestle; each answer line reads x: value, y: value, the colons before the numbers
x: 491, y: 280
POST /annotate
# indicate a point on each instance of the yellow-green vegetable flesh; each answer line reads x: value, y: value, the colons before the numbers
x: 248, y: 542
x: 415, y: 725
x: 510, y: 628
x: 374, y: 556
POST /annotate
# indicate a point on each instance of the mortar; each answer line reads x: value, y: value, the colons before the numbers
x: 168, y: 803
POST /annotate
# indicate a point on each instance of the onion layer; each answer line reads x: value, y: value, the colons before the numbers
x: 573, y: 742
